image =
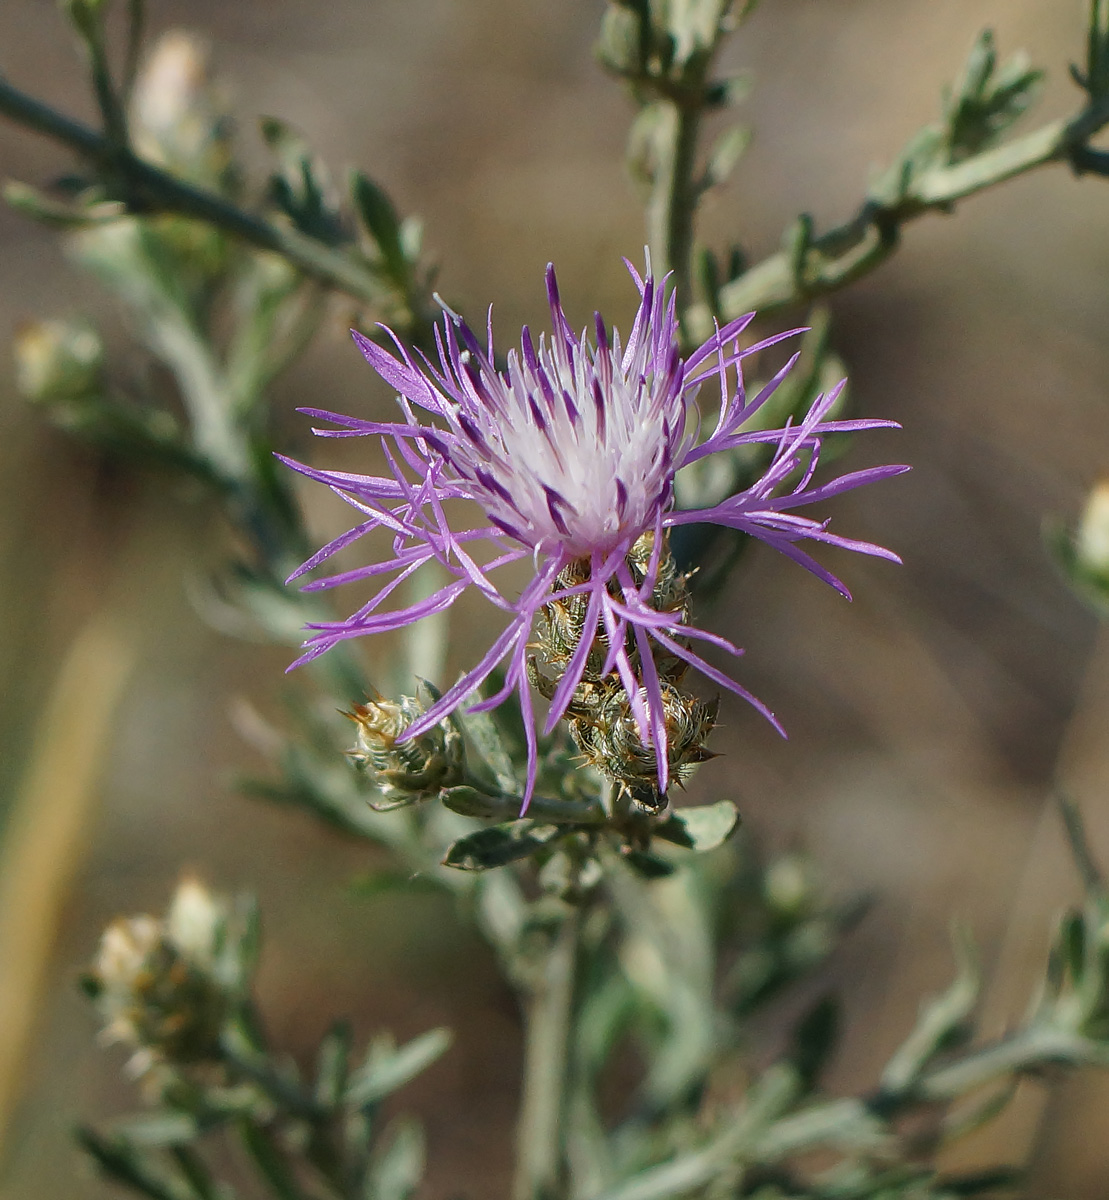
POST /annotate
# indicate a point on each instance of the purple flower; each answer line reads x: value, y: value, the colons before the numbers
x: 571, y: 452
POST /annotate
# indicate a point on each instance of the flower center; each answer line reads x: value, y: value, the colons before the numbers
x: 570, y: 449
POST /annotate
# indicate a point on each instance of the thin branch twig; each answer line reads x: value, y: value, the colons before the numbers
x: 836, y: 258
x: 153, y: 190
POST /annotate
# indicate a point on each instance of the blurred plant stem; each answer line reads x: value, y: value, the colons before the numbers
x: 541, y: 1136
x: 807, y: 267
x: 675, y: 189
x: 666, y: 54
x: 43, y: 838
x: 149, y: 190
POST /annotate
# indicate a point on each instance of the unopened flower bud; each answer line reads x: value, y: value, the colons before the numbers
x: 405, y: 771
x: 563, y: 620
x: 611, y: 741
x: 196, y: 922
x: 155, y: 984
x: 179, y: 119
x: 58, y: 360
x: 1092, y: 541
x: 85, y: 14
x: 788, y: 885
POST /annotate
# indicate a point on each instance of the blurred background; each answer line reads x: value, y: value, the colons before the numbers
x: 929, y: 721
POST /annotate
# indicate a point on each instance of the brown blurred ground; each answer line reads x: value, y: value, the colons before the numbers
x: 926, y: 719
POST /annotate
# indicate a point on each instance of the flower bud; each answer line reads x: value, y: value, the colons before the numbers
x: 599, y: 713
x: 611, y: 740
x: 154, y: 981
x: 196, y: 922
x: 789, y: 887
x: 57, y: 361
x: 410, y: 770
x: 1091, y: 545
x: 563, y: 621
x: 179, y: 120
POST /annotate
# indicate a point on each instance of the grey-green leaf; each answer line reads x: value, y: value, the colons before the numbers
x: 498, y: 845
x: 332, y: 1064
x: 164, y: 1128
x: 380, y: 220
x: 481, y: 730
x: 388, y: 1068
x: 702, y: 828
x: 397, y: 1169
x: 727, y: 152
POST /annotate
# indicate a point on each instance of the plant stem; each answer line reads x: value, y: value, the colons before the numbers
x: 540, y: 1143
x: 673, y: 201
x: 858, y: 246
x: 1080, y: 847
x: 151, y: 189
x: 681, y: 98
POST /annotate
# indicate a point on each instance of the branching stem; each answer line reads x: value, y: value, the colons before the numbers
x: 152, y: 190
x: 843, y: 254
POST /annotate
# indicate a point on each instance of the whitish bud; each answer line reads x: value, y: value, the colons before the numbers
x: 405, y: 771
x: 196, y: 922
x: 1092, y: 541
x: 178, y: 118
x: 154, y: 984
x: 58, y: 360
x: 619, y: 43
x: 788, y: 885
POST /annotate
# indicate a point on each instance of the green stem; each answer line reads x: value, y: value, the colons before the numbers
x: 151, y: 189
x: 111, y: 106
x: 136, y: 26
x: 855, y: 248
x: 673, y: 201
x: 252, y: 1062
x: 199, y: 1178
x: 1083, y: 855
x: 271, y: 1161
x: 680, y: 94
x: 540, y: 1144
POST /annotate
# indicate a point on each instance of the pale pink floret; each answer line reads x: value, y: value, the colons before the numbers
x: 571, y: 452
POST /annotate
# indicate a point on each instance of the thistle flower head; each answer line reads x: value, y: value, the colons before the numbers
x: 571, y: 451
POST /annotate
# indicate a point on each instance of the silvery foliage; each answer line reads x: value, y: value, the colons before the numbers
x: 619, y: 919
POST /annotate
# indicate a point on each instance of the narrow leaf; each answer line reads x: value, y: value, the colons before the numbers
x: 380, y: 220
x: 333, y: 1064
x: 396, y: 1170
x: 498, y: 845
x: 701, y: 828
x: 388, y: 1069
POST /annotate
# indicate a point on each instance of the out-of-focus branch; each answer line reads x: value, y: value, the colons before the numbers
x: 808, y: 267
x: 44, y: 831
x: 149, y: 189
x: 666, y: 54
